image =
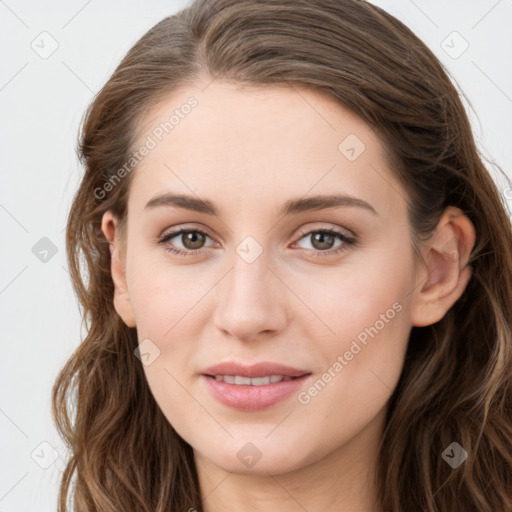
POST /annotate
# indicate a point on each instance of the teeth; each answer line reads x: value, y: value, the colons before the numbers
x: 248, y: 381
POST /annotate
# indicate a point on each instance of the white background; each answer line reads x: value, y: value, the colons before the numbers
x: 42, y: 102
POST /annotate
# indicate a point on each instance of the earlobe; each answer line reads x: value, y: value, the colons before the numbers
x: 122, y: 304
x: 445, y: 275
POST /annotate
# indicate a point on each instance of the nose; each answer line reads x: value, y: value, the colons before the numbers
x: 250, y: 300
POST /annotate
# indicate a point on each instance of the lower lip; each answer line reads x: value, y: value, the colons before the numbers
x: 253, y: 398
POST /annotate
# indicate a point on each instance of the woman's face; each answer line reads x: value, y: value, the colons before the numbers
x: 267, y: 284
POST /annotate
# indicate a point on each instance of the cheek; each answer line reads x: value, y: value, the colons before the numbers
x: 166, y: 302
x: 367, y: 307
x: 169, y: 312
x: 163, y: 294
x: 371, y: 289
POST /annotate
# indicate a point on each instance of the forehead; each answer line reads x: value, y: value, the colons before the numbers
x: 251, y: 141
x: 274, y: 115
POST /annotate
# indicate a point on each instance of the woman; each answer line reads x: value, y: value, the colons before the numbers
x: 298, y: 274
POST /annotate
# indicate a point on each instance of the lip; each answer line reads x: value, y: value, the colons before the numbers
x: 256, y: 370
x: 253, y: 398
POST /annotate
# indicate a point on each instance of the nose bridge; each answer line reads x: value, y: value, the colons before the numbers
x: 249, y: 300
x: 249, y: 279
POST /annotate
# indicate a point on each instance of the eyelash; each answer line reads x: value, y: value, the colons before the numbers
x: 347, y: 242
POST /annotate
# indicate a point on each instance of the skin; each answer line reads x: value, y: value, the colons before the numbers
x: 249, y: 150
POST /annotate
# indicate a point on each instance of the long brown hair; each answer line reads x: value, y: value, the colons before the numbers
x: 456, y: 384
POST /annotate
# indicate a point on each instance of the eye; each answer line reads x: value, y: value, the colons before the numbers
x: 191, y: 239
x: 323, y: 240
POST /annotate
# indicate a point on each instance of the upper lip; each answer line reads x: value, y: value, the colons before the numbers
x: 262, y: 369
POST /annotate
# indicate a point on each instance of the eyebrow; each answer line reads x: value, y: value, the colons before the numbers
x: 290, y: 207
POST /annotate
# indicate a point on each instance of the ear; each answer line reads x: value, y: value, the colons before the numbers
x: 122, y: 304
x: 445, y: 275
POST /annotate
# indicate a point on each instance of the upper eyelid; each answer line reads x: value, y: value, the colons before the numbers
x: 335, y: 229
x: 180, y: 229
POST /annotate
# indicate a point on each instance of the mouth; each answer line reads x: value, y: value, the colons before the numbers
x: 240, y: 371
x: 253, y: 388
x: 240, y: 380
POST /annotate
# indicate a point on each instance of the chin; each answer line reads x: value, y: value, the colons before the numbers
x: 261, y: 457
